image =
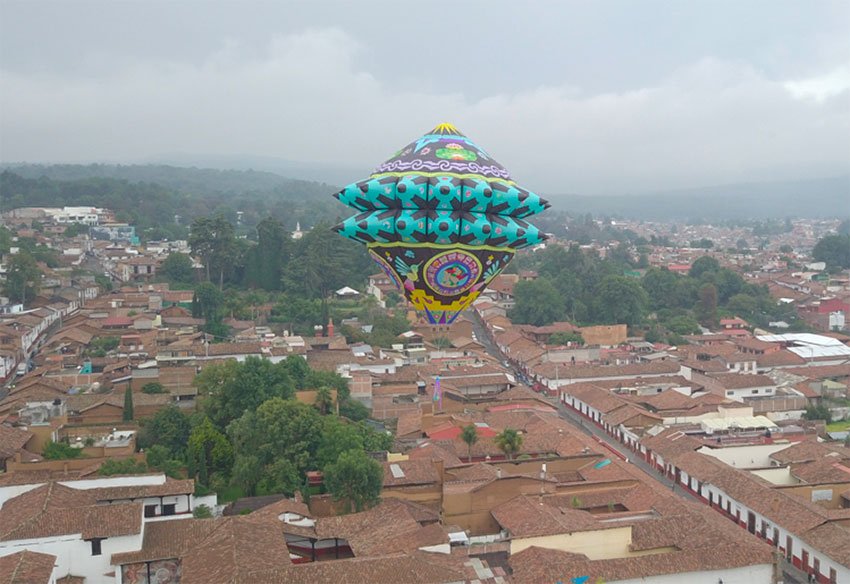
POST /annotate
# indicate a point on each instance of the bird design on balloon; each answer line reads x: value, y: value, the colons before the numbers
x: 442, y: 219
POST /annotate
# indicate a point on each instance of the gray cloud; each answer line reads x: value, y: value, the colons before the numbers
x: 330, y: 94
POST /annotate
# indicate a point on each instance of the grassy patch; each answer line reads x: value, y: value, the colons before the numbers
x: 229, y: 494
x: 838, y: 426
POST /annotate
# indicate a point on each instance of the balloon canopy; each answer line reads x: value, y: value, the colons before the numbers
x: 442, y: 219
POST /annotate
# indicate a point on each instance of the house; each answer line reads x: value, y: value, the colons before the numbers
x: 69, y: 524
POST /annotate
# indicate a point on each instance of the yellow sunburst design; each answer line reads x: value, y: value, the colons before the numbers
x: 445, y: 128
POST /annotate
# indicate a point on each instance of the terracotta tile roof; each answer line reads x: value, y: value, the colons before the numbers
x: 170, y: 487
x: 409, y: 422
x: 603, y: 371
x: 420, y: 513
x: 602, y: 400
x: 822, y: 371
x: 12, y: 440
x: 431, y: 451
x: 530, y: 517
x: 536, y: 564
x: 478, y: 471
x: 670, y: 443
x: 831, y: 538
x: 221, y: 349
x: 391, y: 526
x: 235, y: 547
x: 26, y: 567
x: 623, y: 415
x: 164, y: 540
x: 808, y: 451
x: 410, y: 472
x: 830, y: 469
x: 792, y: 513
x: 390, y: 569
x: 54, y: 509
x: 779, y: 359
x: 706, y: 366
x: 742, y: 380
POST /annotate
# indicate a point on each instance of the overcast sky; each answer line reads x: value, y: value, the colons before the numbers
x: 572, y: 97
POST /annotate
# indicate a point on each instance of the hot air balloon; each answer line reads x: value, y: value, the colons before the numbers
x: 442, y: 219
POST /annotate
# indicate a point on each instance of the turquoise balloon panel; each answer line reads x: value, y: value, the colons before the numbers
x: 443, y: 193
x: 411, y: 225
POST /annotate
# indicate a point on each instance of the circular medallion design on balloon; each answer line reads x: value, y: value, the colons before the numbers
x: 386, y: 268
x: 453, y: 272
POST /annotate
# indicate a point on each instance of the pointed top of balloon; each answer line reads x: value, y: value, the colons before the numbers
x: 446, y: 128
x: 444, y: 151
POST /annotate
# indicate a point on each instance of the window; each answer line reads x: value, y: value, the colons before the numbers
x: 150, y: 510
x: 833, y: 576
x: 169, y: 509
x: 95, y: 546
x: 755, y: 391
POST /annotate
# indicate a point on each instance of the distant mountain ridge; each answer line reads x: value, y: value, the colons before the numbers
x: 812, y: 198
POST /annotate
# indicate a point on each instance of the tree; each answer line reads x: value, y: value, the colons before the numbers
x: 22, y: 278
x: 682, y: 325
x: 469, y: 435
x: 159, y: 458
x: 324, y: 400
x: 60, y: 451
x: 537, y: 303
x: 834, y: 250
x: 230, y: 389
x: 565, y: 339
x: 266, y: 259
x: 620, y: 300
x: 128, y: 404
x: 124, y: 466
x: 660, y: 286
x: 169, y: 427
x: 702, y: 265
x: 706, y: 307
x: 202, y: 512
x: 177, y: 267
x: 210, y: 449
x: 207, y: 302
x: 743, y: 305
x: 337, y: 437
x: 509, y: 441
x: 213, y: 239
x: 355, y: 478
x: 153, y: 388
x: 279, y: 428
x: 819, y: 412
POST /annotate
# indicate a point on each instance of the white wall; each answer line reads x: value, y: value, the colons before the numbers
x: 116, y: 481
x: 755, y: 456
x: 777, y: 476
x: 759, y: 574
x: 73, y: 554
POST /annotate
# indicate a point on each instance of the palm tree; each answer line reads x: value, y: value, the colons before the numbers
x: 470, y: 436
x: 509, y: 441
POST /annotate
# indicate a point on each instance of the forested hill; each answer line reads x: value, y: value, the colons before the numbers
x: 153, y: 206
x: 188, y: 180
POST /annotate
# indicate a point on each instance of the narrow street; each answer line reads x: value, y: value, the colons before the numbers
x: 790, y: 574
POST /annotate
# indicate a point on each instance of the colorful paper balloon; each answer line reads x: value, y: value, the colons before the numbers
x: 442, y: 219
